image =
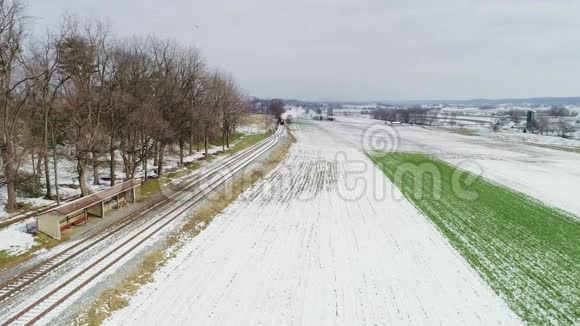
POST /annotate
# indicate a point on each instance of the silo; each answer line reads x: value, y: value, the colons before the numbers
x: 530, y: 120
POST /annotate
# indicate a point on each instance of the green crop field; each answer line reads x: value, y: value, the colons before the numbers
x: 529, y: 253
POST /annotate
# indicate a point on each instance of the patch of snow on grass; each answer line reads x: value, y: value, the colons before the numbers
x: 252, y: 129
x: 14, y: 240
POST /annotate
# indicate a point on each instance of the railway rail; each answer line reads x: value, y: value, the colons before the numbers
x: 187, y: 196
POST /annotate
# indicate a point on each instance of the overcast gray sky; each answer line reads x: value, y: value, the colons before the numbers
x: 363, y: 50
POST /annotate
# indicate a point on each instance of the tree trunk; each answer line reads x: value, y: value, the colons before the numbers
x: 160, y: 162
x: 155, y: 153
x: 131, y: 166
x: 48, y: 194
x: 112, y: 150
x: 34, y: 171
x: 228, y: 138
x: 191, y: 138
x: 144, y: 160
x: 128, y: 173
x: 38, y: 170
x: 81, y: 169
x: 205, y: 141
x: 95, y: 162
x: 181, y: 146
x: 197, y: 141
x: 10, y: 175
x: 112, y: 163
x: 190, y: 144
x: 55, y: 164
x: 134, y: 166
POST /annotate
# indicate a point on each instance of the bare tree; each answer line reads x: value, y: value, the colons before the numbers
x: 212, y: 97
x: 99, y: 35
x: 167, y: 96
x: 129, y: 90
x: 276, y: 108
x: 13, y: 89
x: 45, y: 91
x: 232, y: 106
x: 516, y: 115
x: 197, y: 67
x: 81, y: 93
x: 79, y: 57
x: 564, y: 127
x: 542, y: 124
x: 190, y: 72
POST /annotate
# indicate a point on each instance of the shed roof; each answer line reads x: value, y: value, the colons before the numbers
x: 49, y: 216
x: 96, y: 198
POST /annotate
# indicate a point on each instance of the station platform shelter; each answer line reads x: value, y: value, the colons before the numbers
x: 79, y: 211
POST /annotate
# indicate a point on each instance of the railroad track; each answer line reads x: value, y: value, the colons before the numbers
x: 103, y: 261
x: 17, y: 283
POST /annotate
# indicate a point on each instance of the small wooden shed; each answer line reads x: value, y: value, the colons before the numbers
x: 97, y: 204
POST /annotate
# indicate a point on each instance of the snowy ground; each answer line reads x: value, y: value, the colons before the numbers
x: 516, y: 135
x: 14, y: 240
x: 520, y: 137
x: 324, y: 240
x: 252, y: 129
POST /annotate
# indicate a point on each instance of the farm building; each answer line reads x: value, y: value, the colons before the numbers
x: 76, y: 212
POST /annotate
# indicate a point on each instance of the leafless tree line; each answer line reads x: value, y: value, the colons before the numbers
x: 104, y: 99
x: 407, y: 115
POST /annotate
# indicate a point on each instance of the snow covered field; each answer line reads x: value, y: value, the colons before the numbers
x: 324, y: 240
x: 549, y: 175
x: 517, y: 136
